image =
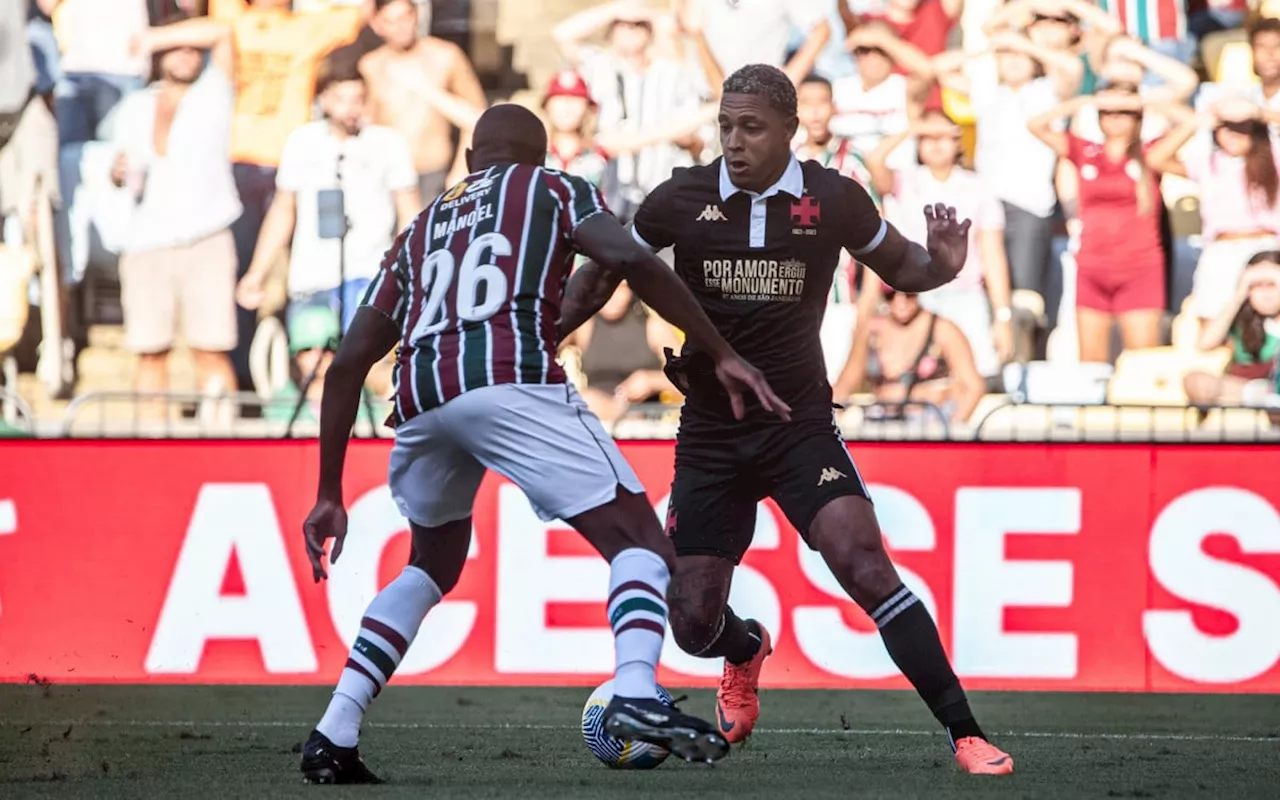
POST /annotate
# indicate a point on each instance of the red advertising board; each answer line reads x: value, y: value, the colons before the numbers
x: 1082, y: 567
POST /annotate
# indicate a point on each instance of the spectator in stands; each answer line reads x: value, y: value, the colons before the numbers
x: 756, y: 32
x: 1029, y: 79
x: 980, y: 294
x: 924, y: 24
x: 621, y: 355
x: 1066, y: 26
x: 1237, y: 172
x: 28, y: 194
x: 815, y: 141
x: 278, y: 54
x: 635, y: 92
x: 1250, y: 325
x: 405, y: 78
x: 574, y: 148
x: 1125, y: 61
x: 313, y: 339
x: 674, y: 33
x: 1158, y: 24
x: 372, y: 171
x: 1264, y: 41
x: 1162, y: 78
x: 876, y: 102
x: 1120, y: 261
x: 44, y: 47
x: 97, y: 65
x: 567, y: 104
x: 910, y: 354
x: 172, y: 143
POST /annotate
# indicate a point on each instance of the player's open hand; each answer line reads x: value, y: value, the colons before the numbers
x: 328, y: 520
x: 948, y: 240
x: 737, y: 376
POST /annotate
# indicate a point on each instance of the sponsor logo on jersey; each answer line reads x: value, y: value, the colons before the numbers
x: 756, y: 279
x: 455, y: 192
x: 712, y: 213
x: 830, y: 474
x: 463, y: 193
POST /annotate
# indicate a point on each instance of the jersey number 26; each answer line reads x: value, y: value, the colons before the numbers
x: 482, y: 285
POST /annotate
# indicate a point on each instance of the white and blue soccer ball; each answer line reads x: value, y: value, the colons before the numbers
x: 612, y: 751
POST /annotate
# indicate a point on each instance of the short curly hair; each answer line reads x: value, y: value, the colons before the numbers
x: 764, y: 81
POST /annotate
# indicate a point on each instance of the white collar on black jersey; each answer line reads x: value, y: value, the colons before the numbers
x: 791, y: 182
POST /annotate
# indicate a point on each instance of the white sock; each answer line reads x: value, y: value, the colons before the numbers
x: 638, y: 615
x: 388, y: 628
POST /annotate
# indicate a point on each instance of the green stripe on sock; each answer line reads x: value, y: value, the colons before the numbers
x: 385, y: 664
x: 636, y: 604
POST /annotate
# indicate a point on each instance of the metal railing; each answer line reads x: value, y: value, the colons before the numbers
x: 15, y: 414
x: 1031, y: 422
x: 192, y: 415
x: 873, y: 422
x: 177, y: 415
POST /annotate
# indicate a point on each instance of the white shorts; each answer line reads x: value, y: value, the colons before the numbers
x: 541, y: 437
x: 969, y: 310
x: 1218, y: 272
x: 836, y: 335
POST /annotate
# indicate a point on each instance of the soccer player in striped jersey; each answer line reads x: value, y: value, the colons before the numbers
x: 471, y: 292
x: 757, y: 235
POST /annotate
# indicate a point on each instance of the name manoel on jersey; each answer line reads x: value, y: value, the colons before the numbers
x: 756, y: 279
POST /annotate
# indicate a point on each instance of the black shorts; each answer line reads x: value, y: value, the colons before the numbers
x: 802, y: 465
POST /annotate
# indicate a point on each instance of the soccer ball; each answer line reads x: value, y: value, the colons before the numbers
x: 612, y: 751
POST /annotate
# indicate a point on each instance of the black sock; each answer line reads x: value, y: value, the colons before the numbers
x: 912, y: 641
x: 738, y: 641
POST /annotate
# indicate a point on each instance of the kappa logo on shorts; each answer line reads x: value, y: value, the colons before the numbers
x: 712, y: 213
x: 830, y: 474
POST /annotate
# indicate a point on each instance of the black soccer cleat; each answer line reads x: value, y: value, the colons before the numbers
x: 649, y: 720
x: 325, y: 762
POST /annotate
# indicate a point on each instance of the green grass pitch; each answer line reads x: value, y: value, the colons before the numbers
x: 186, y: 742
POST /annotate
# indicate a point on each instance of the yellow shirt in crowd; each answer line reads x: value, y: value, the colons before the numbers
x: 278, y: 54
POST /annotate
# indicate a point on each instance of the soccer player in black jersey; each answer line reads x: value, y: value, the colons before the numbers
x: 757, y: 236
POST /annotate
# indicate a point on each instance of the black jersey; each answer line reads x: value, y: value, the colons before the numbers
x: 761, y: 267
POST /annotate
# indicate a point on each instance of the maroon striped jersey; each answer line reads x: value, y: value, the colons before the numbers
x: 476, y: 281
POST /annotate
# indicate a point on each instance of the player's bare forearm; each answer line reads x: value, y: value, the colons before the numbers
x: 905, y: 265
x: 604, y: 240
x: 370, y: 337
x: 655, y: 284
x: 589, y: 288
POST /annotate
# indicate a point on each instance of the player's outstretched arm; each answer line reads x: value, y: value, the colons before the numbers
x: 909, y: 267
x: 589, y: 288
x: 371, y: 336
x: 604, y: 239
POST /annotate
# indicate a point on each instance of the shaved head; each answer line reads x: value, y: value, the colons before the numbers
x: 507, y: 134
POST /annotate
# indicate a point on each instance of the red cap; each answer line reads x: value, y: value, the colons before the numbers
x: 568, y: 83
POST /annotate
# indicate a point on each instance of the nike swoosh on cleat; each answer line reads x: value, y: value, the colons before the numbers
x: 998, y: 761
x: 725, y: 724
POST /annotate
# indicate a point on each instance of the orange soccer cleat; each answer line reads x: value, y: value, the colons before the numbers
x: 980, y: 757
x: 738, y: 700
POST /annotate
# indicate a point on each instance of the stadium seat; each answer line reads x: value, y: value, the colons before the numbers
x: 1153, y: 376
x: 988, y: 404
x: 1049, y: 383
x: 1237, y: 422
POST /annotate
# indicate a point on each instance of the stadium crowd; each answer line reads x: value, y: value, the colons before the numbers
x: 250, y: 160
